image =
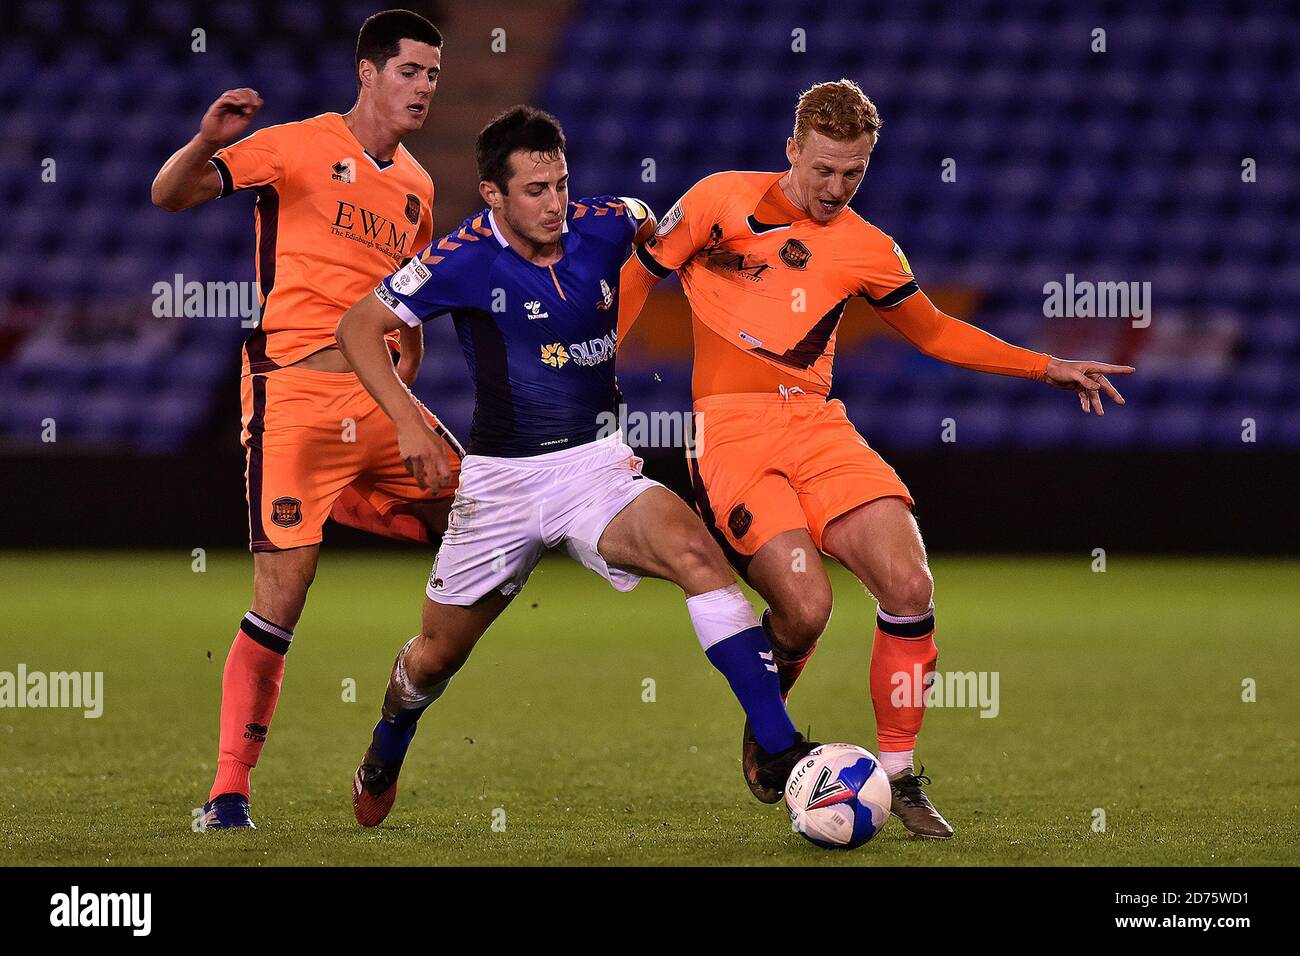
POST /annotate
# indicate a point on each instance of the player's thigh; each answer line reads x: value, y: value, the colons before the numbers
x: 836, y: 471
x: 281, y: 580
x: 744, y: 504
x: 493, y: 540
x: 880, y: 542
x: 657, y: 535
x: 788, y: 573
x: 298, y: 457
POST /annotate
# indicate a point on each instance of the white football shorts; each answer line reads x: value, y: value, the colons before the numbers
x: 509, y: 511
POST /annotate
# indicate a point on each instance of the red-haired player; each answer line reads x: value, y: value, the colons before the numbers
x: 768, y: 262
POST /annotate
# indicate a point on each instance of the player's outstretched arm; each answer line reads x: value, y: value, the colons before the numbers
x: 360, y: 336
x: 187, y: 178
x: 951, y: 340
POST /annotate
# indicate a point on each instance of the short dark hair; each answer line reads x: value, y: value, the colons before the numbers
x: 382, y: 34
x: 520, y: 127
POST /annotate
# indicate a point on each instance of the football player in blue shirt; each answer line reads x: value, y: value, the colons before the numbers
x: 531, y: 284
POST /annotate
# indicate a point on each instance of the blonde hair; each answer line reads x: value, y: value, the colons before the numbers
x: 837, y: 109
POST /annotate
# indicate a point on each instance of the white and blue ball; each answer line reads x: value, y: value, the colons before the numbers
x: 838, y: 796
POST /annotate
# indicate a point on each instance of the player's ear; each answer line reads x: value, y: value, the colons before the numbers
x: 490, y: 192
x: 366, y: 74
x: 791, y: 150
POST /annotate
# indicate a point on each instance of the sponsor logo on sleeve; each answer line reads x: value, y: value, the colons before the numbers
x: 670, y: 220
x: 410, y: 277
x: 387, y: 297
x: 902, y: 259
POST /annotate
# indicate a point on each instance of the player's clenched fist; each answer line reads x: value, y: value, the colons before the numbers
x: 229, y: 116
x: 424, y: 455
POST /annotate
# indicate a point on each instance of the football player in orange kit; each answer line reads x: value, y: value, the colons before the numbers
x: 768, y: 262
x: 340, y: 205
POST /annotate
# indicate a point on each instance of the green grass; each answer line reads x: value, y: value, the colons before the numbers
x: 1119, y: 690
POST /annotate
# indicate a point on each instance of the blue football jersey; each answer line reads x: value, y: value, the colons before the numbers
x: 539, y: 340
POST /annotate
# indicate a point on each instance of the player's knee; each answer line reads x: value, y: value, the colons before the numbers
x: 911, y: 594
x: 434, y: 658
x: 799, y: 622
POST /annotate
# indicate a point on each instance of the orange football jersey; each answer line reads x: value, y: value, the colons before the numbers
x: 331, y: 222
x: 764, y: 277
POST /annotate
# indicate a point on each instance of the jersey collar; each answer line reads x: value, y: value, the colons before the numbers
x: 492, y: 221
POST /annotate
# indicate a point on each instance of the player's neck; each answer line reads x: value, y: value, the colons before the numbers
x: 379, y: 139
x: 539, y: 254
x: 786, y: 183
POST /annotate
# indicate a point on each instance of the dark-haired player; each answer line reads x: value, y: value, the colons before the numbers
x: 340, y: 204
x: 531, y: 283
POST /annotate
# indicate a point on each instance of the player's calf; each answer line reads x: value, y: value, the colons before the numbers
x: 374, y: 786
x: 254, y: 669
x: 658, y: 535
x: 423, y: 669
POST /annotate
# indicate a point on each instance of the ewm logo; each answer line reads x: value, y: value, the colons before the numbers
x: 76, y: 909
x: 370, y: 229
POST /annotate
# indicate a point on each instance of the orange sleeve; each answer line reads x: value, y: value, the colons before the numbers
x: 684, y: 229
x: 957, y: 343
x: 256, y: 160
x: 634, y: 284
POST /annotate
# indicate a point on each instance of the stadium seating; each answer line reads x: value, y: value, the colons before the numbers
x: 1124, y: 165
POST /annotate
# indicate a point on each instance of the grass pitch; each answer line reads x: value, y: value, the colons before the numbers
x: 1119, y: 692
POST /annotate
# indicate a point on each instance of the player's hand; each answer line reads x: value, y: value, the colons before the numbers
x: 229, y: 116
x: 424, y: 454
x: 1088, y: 379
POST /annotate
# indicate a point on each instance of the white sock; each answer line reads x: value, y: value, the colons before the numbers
x: 718, y: 615
x: 894, y: 761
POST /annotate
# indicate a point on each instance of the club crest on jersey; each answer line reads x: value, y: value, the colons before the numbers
x: 412, y: 209
x: 286, y: 512
x: 535, y: 310
x: 795, y: 254
x: 554, y: 355
x: 344, y: 171
x: 606, y: 296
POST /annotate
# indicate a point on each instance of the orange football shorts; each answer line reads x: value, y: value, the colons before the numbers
x: 766, y: 464
x: 309, y: 435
